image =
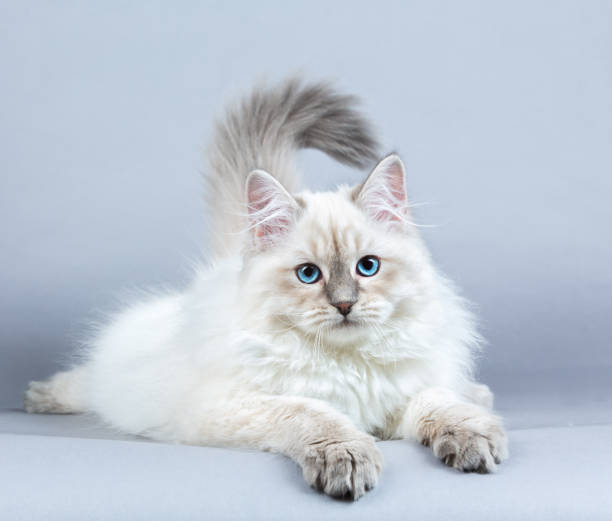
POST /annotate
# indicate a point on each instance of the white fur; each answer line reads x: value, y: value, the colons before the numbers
x: 249, y: 356
x: 170, y: 352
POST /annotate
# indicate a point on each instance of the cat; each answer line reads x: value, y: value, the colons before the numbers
x: 320, y: 326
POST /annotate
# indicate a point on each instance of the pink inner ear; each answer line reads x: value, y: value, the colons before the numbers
x: 397, y: 199
x: 384, y: 194
x: 270, y: 208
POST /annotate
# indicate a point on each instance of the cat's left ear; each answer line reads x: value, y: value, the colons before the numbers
x: 272, y: 210
x: 383, y: 194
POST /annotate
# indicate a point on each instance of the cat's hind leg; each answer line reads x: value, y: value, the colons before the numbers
x: 60, y: 394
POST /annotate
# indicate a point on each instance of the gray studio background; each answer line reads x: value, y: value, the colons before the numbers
x: 501, y: 111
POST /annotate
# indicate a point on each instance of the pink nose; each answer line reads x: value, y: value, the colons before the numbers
x: 344, y: 307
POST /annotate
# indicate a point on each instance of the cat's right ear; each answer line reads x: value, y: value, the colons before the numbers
x: 272, y: 210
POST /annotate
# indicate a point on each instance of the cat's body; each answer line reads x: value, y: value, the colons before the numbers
x: 287, y: 346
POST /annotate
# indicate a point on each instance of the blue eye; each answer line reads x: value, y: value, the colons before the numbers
x: 308, y: 273
x: 368, y: 265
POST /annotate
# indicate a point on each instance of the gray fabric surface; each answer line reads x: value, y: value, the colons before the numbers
x: 65, y: 467
x: 554, y: 474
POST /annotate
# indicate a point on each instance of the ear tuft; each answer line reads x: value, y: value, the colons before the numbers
x: 383, y: 194
x: 271, y: 209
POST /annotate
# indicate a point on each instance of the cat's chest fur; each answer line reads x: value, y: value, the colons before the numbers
x: 372, y: 393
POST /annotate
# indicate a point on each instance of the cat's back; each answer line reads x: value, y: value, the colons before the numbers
x: 150, y: 354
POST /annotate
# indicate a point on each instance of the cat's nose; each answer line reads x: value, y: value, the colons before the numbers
x: 343, y: 307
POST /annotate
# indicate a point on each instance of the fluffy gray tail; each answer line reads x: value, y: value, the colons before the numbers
x: 263, y: 132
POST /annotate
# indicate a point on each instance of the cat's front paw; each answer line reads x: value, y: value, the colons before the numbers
x: 472, y: 444
x: 343, y: 468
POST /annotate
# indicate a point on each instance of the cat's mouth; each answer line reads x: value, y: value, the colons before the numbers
x: 346, y: 323
x: 342, y: 324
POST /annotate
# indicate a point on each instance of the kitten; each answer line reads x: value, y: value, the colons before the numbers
x: 321, y: 325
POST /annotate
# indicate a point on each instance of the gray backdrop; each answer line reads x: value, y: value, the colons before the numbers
x: 501, y: 111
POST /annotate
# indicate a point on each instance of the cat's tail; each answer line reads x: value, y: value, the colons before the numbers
x: 263, y: 132
x: 63, y: 393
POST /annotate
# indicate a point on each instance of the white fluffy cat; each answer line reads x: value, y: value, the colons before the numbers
x: 321, y: 325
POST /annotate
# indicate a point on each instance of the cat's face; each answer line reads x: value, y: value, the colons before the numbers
x: 336, y: 265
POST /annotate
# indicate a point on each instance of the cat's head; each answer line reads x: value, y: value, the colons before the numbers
x: 337, y: 265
